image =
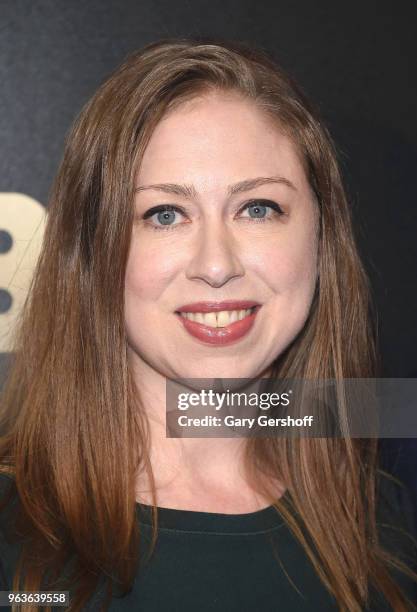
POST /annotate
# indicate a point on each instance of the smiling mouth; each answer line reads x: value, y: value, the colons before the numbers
x: 222, y: 318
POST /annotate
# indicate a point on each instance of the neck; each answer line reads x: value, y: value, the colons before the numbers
x: 195, y: 473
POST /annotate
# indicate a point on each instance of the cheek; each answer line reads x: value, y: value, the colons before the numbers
x: 148, y: 272
x: 288, y: 265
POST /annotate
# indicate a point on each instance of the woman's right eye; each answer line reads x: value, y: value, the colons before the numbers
x: 164, y: 216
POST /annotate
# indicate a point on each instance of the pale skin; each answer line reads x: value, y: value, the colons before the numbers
x: 214, y: 249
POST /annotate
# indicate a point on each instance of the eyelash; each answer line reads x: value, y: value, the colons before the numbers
x: 170, y: 207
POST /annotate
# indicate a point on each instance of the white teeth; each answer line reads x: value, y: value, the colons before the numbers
x: 209, y: 318
x: 217, y: 319
x: 223, y: 318
x: 233, y: 316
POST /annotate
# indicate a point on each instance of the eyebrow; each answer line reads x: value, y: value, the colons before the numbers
x: 189, y: 191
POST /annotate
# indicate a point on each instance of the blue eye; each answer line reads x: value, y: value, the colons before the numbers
x: 258, y: 209
x: 165, y: 215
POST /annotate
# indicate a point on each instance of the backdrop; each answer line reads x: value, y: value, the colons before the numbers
x: 358, y: 66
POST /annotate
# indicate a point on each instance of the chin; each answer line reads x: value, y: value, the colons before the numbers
x: 220, y: 371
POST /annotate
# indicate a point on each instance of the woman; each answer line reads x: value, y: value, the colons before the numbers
x: 198, y: 173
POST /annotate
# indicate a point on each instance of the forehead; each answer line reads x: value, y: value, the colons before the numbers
x: 216, y: 138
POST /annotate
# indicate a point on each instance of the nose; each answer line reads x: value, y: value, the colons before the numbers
x: 215, y: 259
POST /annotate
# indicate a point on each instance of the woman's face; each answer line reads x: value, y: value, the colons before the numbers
x: 228, y: 237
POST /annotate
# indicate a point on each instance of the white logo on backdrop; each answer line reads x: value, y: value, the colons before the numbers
x: 22, y: 225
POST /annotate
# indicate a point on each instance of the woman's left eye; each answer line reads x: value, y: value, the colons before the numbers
x: 258, y: 209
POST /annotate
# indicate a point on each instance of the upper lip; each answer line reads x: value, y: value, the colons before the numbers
x: 218, y: 306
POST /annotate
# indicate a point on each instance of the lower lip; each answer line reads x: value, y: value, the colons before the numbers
x: 220, y: 336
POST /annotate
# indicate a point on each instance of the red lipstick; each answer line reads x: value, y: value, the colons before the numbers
x: 219, y: 336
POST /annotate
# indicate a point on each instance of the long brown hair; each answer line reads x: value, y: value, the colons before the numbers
x: 74, y: 435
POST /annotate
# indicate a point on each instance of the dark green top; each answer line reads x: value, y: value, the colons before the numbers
x: 207, y: 561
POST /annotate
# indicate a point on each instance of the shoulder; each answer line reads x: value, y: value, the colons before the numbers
x: 397, y: 529
x: 8, y: 498
x: 9, y: 546
x: 395, y: 509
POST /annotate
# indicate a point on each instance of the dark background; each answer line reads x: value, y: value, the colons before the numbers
x: 357, y: 64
